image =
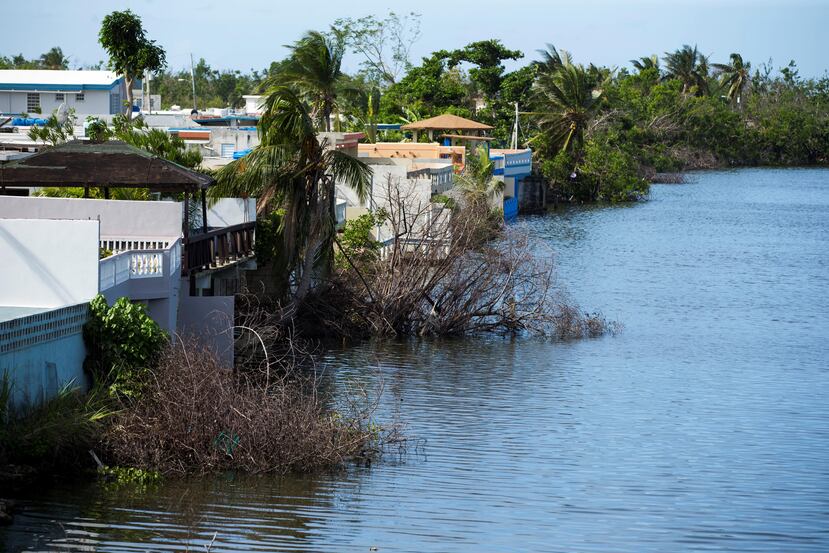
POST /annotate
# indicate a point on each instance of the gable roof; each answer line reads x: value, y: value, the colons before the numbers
x: 447, y: 121
x: 56, y: 79
x: 113, y: 164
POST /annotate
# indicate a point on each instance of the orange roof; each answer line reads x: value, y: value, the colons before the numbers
x: 447, y: 121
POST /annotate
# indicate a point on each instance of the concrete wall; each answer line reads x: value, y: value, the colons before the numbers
x: 42, y: 353
x: 118, y: 217
x: 210, y: 321
x: 48, y: 263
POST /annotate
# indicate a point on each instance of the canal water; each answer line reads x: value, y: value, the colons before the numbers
x: 703, y: 425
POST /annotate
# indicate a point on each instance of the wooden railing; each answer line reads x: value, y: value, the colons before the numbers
x: 217, y: 248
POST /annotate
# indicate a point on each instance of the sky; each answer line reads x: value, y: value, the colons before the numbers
x: 253, y: 33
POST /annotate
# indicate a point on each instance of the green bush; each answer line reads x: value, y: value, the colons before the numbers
x: 358, y: 243
x: 123, y: 343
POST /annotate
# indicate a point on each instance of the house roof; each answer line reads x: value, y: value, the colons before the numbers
x: 113, y: 164
x: 54, y: 79
x: 447, y: 121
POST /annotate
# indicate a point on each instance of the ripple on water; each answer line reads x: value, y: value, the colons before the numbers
x: 703, y: 426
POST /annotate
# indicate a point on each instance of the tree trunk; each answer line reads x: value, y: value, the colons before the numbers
x: 128, y: 83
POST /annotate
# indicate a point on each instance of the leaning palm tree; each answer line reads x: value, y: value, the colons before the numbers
x: 736, y: 76
x: 293, y: 170
x: 314, y: 69
x: 566, y: 100
x: 688, y: 66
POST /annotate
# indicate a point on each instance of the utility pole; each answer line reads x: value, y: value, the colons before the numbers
x: 193, y: 81
x: 514, y: 140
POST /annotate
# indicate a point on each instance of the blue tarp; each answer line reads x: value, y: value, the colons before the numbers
x: 28, y: 121
x: 241, y: 153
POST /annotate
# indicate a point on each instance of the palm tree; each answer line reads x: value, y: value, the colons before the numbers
x: 688, y: 66
x: 314, y: 69
x: 736, y: 76
x: 550, y: 59
x: 292, y: 169
x: 477, y: 182
x: 566, y: 100
x: 645, y: 63
x: 54, y: 59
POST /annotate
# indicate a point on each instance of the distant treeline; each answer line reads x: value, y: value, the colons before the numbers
x: 597, y: 132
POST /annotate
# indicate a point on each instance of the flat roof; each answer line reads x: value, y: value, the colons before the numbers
x: 54, y: 79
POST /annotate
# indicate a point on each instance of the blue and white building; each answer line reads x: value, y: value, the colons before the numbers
x: 513, y: 166
x: 33, y: 91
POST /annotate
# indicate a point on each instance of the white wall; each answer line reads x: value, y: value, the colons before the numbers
x: 95, y: 102
x: 119, y: 218
x: 48, y: 263
x: 231, y: 211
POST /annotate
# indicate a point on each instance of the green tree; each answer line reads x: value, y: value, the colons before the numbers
x: 131, y: 53
x: 486, y: 56
x: 293, y: 170
x: 736, y: 76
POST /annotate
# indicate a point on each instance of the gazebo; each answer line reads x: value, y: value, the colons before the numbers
x: 454, y: 129
x: 105, y: 165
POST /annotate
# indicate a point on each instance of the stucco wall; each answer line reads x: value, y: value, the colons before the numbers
x: 95, y: 102
x: 118, y: 217
x: 48, y: 263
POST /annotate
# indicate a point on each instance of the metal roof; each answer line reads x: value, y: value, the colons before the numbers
x: 55, y: 79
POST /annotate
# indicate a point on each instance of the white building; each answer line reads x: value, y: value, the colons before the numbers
x: 42, y: 91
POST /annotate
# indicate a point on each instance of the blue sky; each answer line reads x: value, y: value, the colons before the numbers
x: 250, y: 34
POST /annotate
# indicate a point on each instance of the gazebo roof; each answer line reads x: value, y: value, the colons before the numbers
x: 110, y: 164
x: 447, y: 121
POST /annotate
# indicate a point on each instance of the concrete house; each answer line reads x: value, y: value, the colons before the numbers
x: 43, y: 90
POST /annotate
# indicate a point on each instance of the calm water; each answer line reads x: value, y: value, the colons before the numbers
x: 703, y: 426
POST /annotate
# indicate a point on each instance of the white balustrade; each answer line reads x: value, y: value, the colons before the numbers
x: 139, y: 264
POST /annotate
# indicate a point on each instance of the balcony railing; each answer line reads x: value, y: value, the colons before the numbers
x: 218, y: 248
x: 139, y: 264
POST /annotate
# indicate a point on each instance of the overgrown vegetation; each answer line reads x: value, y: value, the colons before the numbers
x: 123, y: 344
x: 198, y: 416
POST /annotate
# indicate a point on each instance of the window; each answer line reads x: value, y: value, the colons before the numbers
x: 33, y: 103
x: 79, y: 97
x: 59, y: 97
x: 115, y: 103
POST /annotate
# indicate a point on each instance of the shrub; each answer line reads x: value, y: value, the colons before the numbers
x: 197, y: 416
x: 357, y: 244
x: 122, y: 343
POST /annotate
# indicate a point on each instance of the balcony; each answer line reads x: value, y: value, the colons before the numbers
x: 141, y: 274
x: 218, y: 248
